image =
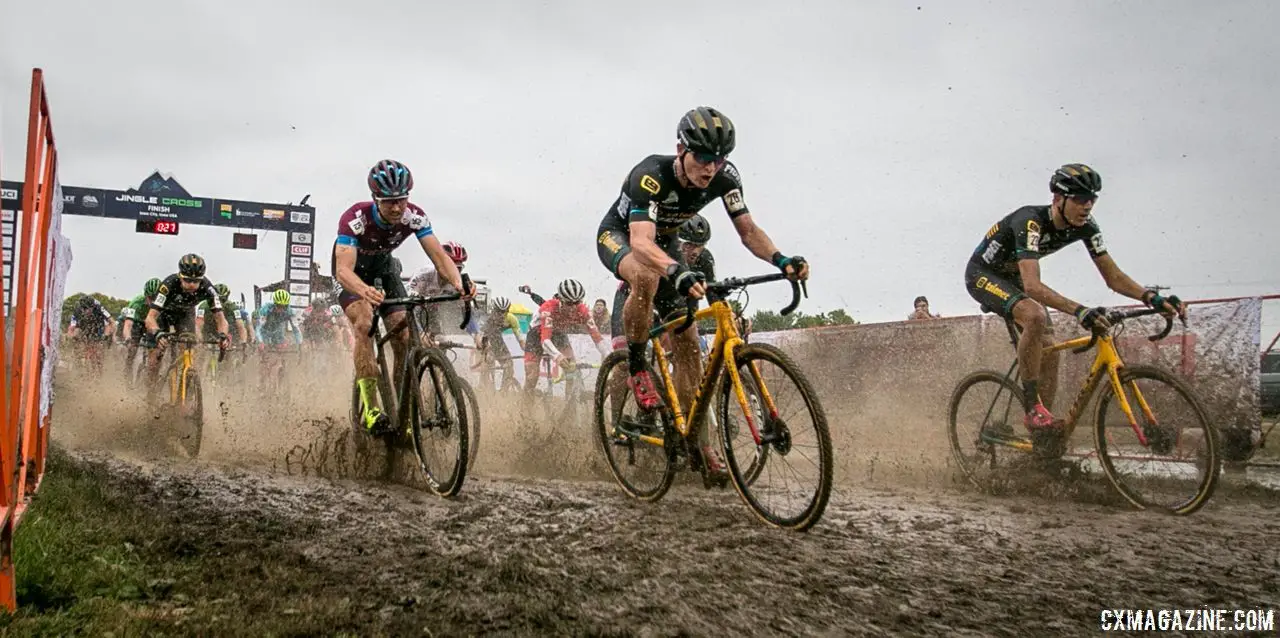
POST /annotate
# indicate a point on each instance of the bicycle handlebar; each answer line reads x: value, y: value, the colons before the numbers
x: 1116, y: 317
x: 726, y: 286
x: 191, y: 339
x: 419, y: 300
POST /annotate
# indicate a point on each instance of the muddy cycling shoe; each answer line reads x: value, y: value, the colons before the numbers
x: 717, y: 474
x: 1039, y: 418
x: 1046, y: 433
x: 641, y: 383
x: 375, y: 422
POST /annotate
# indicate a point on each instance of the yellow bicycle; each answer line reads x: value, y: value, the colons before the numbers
x: 1164, y: 457
x: 182, y: 378
x: 775, y: 439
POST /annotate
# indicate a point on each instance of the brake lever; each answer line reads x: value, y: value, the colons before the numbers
x: 691, y: 306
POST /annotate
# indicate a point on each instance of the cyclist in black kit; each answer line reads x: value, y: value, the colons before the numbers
x: 694, y: 235
x: 636, y: 241
x: 1003, y: 275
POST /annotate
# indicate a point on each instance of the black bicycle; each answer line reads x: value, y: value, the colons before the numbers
x: 426, y: 404
x: 473, y: 406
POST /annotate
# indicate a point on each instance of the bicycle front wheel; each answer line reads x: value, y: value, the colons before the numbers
x: 1175, y: 463
x: 792, y: 488
x: 437, y: 418
x: 192, y: 411
x: 634, y: 442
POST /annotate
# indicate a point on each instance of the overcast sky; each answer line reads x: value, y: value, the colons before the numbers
x: 878, y: 139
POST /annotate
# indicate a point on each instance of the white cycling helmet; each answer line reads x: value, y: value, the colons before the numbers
x: 501, y: 304
x: 571, y: 291
x: 335, y: 310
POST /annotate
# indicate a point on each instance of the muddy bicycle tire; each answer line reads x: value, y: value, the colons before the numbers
x: 744, y: 355
x: 192, y: 440
x: 1211, y: 467
x: 431, y: 363
x: 473, y: 421
x: 1005, y: 384
x: 610, y: 441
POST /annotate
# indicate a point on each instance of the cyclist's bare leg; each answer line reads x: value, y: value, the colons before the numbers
x: 688, y: 370
x: 360, y: 314
x: 1036, y: 333
x: 637, y: 313
x: 400, y: 342
x: 531, y: 366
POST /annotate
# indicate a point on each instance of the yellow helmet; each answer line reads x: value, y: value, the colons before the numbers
x: 280, y: 297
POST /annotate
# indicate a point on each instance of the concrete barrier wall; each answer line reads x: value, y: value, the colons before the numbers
x: 886, y: 387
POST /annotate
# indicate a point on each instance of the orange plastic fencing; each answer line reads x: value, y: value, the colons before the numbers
x: 25, y: 439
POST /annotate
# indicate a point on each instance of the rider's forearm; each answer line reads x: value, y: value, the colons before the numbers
x: 759, y: 243
x: 649, y: 254
x: 1050, y: 297
x: 1125, y: 285
x: 550, y: 348
x: 348, y: 279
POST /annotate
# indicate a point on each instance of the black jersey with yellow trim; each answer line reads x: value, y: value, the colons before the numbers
x: 1029, y: 233
x: 652, y: 193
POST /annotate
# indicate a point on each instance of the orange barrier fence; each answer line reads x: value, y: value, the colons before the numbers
x: 26, y: 435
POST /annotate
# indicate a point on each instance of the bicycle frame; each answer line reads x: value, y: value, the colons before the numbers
x: 1106, y: 362
x: 402, y: 405
x: 719, y: 358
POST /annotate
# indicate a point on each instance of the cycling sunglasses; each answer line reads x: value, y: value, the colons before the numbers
x: 1084, y: 198
x: 709, y: 158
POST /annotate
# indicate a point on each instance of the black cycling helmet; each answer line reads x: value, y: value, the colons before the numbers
x: 695, y: 230
x: 1075, y: 179
x: 390, y: 179
x: 191, y: 266
x: 706, y: 130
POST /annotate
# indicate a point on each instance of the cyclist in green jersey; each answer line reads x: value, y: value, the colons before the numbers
x: 230, y: 310
x: 131, y: 328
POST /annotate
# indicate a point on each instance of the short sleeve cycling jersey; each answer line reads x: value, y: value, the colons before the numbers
x: 172, y: 299
x: 362, y: 228
x: 652, y: 193
x: 90, y: 313
x: 1029, y: 233
x: 274, y: 321
x: 135, y: 310
x: 496, y: 323
x: 428, y: 283
x: 554, y: 316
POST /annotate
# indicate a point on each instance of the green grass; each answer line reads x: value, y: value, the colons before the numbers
x: 100, y: 554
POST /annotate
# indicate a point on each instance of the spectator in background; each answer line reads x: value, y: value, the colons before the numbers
x: 600, y: 313
x: 921, y: 312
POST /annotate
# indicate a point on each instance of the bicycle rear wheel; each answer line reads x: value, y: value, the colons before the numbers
x: 629, y: 438
x: 985, y: 409
x: 438, y: 422
x: 797, y: 437
x: 1177, y: 469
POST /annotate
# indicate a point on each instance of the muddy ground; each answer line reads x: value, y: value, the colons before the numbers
x: 542, y: 542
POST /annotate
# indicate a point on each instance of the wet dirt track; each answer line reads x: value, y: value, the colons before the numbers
x: 545, y: 556
x: 519, y: 555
